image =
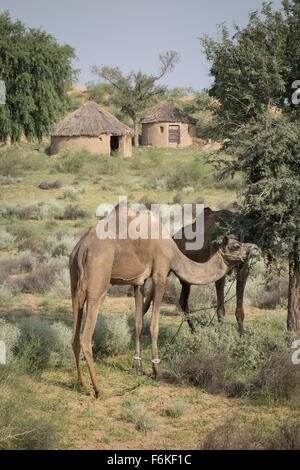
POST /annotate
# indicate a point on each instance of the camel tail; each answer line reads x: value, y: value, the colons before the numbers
x: 81, y: 260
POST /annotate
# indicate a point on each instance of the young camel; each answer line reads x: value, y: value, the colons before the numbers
x: 95, y: 263
x: 203, y: 255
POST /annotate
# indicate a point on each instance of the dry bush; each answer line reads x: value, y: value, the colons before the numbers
x: 20, y: 231
x: 178, y: 198
x: 230, y: 436
x: 278, y: 378
x: 37, y: 282
x: 14, y: 264
x: 120, y: 291
x: 147, y: 202
x: 201, y: 370
x: 72, y: 212
x: 286, y: 437
x: 30, y: 244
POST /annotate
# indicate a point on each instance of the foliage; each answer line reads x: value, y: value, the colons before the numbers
x: 133, y: 92
x: 253, y: 74
x: 43, y: 345
x: 111, y: 335
x: 37, y: 72
x: 6, y: 239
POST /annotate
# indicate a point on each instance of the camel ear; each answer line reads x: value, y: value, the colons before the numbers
x: 225, y: 240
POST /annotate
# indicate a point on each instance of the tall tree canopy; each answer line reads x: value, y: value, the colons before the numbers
x: 37, y: 72
x: 133, y: 92
x: 253, y: 74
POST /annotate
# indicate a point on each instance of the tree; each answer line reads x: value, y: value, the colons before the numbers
x: 133, y: 92
x: 253, y: 72
x: 37, y: 72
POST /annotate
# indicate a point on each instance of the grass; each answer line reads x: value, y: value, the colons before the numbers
x: 43, y: 225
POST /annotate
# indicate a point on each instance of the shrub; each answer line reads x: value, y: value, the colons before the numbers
x: 6, y: 239
x: 69, y: 193
x: 20, y: 231
x: 61, y: 285
x: 9, y: 333
x: 6, y: 295
x: 36, y: 342
x: 72, y: 212
x: 286, y: 437
x: 178, y: 198
x: 55, y: 246
x: 39, y: 281
x: 202, y: 371
x: 69, y: 162
x: 277, y: 379
x: 43, y: 345
x: 111, y: 335
x: 176, y: 409
x: 62, y: 354
x: 16, y: 263
x: 231, y: 436
x: 136, y: 413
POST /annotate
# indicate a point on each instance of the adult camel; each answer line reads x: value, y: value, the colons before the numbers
x: 96, y: 262
x: 202, y: 256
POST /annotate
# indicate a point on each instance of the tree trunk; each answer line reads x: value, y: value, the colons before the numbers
x: 136, y: 132
x: 293, y: 320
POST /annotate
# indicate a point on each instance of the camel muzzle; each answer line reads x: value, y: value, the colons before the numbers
x: 253, y: 251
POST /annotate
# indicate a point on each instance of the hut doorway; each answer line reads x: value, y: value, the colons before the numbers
x: 114, y: 143
x: 174, y: 134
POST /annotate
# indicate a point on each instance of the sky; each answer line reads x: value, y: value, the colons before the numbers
x: 131, y: 34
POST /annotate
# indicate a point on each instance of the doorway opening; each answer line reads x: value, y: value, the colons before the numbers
x: 114, y: 144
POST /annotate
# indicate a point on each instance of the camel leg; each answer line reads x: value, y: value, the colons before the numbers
x: 184, y: 303
x: 93, y: 307
x: 240, y: 289
x: 137, y: 364
x: 78, y: 311
x: 160, y: 282
x: 220, y: 298
x: 148, y: 299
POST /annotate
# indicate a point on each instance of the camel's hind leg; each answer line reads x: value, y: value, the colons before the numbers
x: 78, y: 311
x: 220, y: 284
x: 93, y: 307
x: 184, y: 304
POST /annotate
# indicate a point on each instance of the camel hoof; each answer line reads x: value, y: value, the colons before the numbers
x: 157, y: 371
x: 137, y: 370
x: 99, y: 393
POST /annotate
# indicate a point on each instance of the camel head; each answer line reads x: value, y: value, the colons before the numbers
x: 234, y: 251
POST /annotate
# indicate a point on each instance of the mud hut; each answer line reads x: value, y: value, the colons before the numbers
x: 164, y: 125
x: 93, y: 128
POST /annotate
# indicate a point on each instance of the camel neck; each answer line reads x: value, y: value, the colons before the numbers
x: 198, y: 273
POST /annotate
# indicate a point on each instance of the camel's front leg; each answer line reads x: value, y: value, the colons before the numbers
x: 220, y: 298
x: 240, y: 289
x: 137, y: 362
x: 159, y: 282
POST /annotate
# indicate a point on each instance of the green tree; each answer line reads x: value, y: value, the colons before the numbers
x: 253, y: 72
x: 37, y: 72
x: 133, y: 92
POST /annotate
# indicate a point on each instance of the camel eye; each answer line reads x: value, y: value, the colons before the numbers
x: 236, y: 246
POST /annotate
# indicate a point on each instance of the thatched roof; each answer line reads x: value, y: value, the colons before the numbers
x: 90, y: 120
x: 166, y: 112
